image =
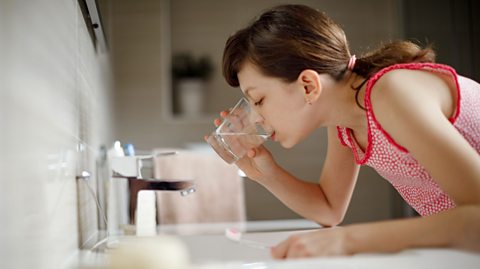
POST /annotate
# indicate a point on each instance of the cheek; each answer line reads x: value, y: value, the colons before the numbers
x: 286, y: 126
x: 294, y: 127
x: 286, y: 118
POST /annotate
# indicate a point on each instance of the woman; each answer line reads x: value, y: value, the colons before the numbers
x: 415, y: 122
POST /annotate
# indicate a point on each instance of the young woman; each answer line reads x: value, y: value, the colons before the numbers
x: 415, y: 122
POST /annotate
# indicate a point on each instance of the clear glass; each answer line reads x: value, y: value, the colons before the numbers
x: 239, y: 131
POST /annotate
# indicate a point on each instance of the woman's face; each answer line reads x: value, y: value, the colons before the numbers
x: 282, y: 106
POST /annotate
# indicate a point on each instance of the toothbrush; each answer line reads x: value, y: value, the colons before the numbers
x: 236, y: 236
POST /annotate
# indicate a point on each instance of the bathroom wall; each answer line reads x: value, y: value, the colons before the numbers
x: 140, y: 104
x: 55, y: 94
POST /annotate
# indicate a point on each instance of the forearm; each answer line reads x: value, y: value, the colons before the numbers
x: 457, y: 228
x: 305, y: 198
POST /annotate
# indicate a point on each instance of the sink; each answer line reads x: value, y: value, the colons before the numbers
x: 208, y: 247
x: 218, y: 248
x: 208, y: 243
x: 210, y: 251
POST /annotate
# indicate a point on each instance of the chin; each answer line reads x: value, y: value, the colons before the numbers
x: 287, y: 144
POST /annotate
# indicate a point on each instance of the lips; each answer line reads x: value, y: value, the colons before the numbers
x: 272, y: 136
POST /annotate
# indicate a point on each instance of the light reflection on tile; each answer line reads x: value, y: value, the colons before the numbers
x: 40, y: 121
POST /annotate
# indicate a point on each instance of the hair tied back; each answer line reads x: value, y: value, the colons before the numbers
x: 351, y: 62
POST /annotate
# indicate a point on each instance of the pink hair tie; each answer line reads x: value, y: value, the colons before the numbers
x: 351, y: 62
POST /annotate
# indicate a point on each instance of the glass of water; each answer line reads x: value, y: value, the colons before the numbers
x: 239, y: 131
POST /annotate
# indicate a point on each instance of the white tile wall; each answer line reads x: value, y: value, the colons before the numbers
x: 55, y: 92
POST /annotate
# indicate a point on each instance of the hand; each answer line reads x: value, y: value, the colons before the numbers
x: 258, y: 163
x: 324, y: 242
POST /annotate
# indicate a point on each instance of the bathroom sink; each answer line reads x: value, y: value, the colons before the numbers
x: 218, y: 248
x: 208, y: 247
x: 202, y: 251
x: 208, y: 242
x: 216, y: 251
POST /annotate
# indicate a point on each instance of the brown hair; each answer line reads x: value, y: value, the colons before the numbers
x: 288, y: 39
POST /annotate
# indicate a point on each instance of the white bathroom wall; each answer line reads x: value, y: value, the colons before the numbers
x: 55, y: 95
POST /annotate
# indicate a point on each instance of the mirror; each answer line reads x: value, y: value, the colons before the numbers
x: 199, y: 29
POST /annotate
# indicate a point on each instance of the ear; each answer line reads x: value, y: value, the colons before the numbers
x: 311, y: 85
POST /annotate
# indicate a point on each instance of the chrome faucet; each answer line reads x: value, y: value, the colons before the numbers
x: 111, y: 172
x: 139, y: 170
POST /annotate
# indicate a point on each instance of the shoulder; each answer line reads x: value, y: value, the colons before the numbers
x: 406, y: 90
x: 405, y: 101
x: 424, y: 75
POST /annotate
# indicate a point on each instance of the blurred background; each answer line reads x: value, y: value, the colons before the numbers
x: 69, y: 86
x: 146, y: 35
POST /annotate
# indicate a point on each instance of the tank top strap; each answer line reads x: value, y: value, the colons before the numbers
x: 342, y: 135
x: 438, y: 68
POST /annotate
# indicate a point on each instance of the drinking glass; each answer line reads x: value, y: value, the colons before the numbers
x: 239, y: 131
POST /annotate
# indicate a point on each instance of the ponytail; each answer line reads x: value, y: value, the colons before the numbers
x: 390, y: 54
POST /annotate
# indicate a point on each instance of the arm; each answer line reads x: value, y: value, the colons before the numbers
x: 411, y: 108
x: 327, y: 201
x: 456, y: 228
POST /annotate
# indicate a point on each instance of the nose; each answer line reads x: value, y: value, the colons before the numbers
x: 256, y: 117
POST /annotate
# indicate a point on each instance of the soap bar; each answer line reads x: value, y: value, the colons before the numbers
x: 160, y: 252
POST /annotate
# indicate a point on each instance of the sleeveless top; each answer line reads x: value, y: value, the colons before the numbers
x: 394, y: 163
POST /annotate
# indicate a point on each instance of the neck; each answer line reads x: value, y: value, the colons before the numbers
x: 338, y: 106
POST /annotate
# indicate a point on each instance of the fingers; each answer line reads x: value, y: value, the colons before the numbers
x: 217, y: 121
x: 284, y: 249
x: 261, y: 154
x: 258, y: 152
x: 280, y: 251
x: 223, y: 114
x: 294, y: 247
x: 251, y: 153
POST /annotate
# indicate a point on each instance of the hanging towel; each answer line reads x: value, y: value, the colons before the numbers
x: 219, y: 195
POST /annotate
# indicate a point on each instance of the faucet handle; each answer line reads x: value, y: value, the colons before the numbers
x: 124, y: 166
x: 146, y: 166
x: 135, y: 167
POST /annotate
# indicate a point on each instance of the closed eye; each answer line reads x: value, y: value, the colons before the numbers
x: 259, y: 102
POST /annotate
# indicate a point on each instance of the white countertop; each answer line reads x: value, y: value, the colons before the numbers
x: 209, y: 248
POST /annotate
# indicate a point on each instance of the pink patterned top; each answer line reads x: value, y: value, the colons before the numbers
x: 395, y: 163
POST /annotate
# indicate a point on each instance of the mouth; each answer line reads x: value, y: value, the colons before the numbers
x: 272, y: 136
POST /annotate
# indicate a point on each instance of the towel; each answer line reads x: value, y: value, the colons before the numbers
x: 219, y: 195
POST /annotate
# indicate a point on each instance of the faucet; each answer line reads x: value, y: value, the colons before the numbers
x: 139, y: 171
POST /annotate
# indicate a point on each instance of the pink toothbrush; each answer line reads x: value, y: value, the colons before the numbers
x: 236, y: 236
